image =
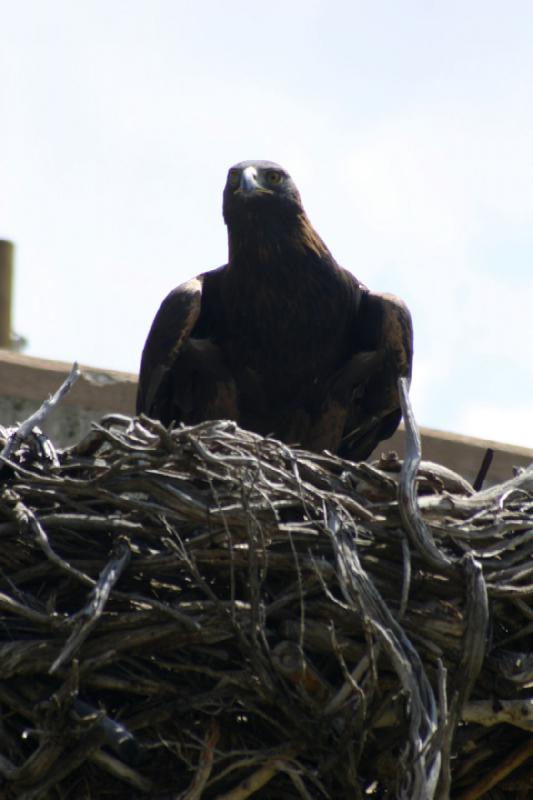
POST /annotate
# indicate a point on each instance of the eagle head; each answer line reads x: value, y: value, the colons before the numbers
x: 258, y: 193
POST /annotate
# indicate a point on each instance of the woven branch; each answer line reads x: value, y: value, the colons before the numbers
x: 205, y: 613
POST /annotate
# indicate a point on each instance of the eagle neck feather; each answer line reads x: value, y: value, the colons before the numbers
x: 271, y: 251
x: 287, y: 288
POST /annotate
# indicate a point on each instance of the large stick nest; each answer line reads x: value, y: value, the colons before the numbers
x: 205, y: 613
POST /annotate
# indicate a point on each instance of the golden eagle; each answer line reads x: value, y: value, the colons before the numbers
x: 280, y: 339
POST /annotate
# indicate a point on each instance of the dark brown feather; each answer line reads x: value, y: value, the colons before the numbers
x: 281, y: 339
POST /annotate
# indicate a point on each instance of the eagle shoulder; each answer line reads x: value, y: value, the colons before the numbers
x: 396, y: 331
x: 170, y: 330
x: 383, y: 345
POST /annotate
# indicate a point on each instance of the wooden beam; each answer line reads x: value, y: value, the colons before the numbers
x: 7, y: 250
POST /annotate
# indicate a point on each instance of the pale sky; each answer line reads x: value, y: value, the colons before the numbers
x: 407, y: 125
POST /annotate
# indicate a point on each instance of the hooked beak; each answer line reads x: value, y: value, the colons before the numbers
x: 249, y: 182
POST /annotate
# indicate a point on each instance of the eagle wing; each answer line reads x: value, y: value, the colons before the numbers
x: 170, y: 331
x: 384, y: 336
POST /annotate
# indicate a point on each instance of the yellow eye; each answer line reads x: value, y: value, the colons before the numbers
x: 274, y: 177
x: 234, y: 177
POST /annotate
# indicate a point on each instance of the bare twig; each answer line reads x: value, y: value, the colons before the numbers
x: 496, y: 775
x: 484, y: 468
x: 421, y: 774
x: 86, y: 619
x: 205, y: 766
x: 254, y: 782
x: 416, y: 527
x: 36, y: 419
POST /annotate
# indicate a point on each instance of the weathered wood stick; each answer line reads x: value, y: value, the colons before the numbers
x: 26, y: 427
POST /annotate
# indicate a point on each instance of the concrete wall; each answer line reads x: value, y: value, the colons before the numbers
x: 26, y: 381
